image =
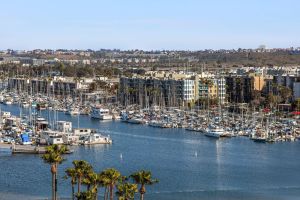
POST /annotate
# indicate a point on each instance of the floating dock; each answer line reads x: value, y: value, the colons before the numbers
x: 23, y: 149
x: 27, y: 149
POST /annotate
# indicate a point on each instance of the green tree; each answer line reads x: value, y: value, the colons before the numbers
x: 126, y: 191
x: 92, y: 87
x: 71, y: 173
x: 143, y: 178
x: 86, y: 195
x: 61, y: 68
x: 53, y: 156
x: 91, y: 179
x: 109, y: 178
x: 296, y: 104
x: 285, y: 93
x: 272, y: 100
x: 82, y: 168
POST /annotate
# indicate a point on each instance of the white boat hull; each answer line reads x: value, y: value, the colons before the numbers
x: 212, y: 134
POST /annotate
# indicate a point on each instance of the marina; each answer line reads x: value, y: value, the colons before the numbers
x: 230, y: 121
x: 209, y: 153
x: 200, y: 166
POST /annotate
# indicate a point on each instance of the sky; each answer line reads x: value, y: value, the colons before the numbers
x: 149, y: 24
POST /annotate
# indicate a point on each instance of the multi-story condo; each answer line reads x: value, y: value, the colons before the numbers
x: 149, y: 91
x: 239, y: 89
x: 170, y: 89
x: 188, y: 90
x: 55, y: 85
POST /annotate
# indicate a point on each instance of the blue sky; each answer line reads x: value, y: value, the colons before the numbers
x: 145, y: 24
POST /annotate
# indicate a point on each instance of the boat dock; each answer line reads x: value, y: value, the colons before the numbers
x: 23, y: 149
x: 26, y: 149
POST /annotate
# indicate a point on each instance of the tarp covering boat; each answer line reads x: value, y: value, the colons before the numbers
x: 296, y: 113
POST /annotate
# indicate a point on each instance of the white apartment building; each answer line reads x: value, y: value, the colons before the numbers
x: 188, y: 90
x: 221, y: 89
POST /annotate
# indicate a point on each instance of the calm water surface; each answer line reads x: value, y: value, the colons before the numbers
x: 188, y: 165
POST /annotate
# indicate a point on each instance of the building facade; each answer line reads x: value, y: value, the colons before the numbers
x: 169, y: 89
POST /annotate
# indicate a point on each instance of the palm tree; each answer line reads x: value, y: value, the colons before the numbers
x: 143, y: 178
x: 103, y: 181
x: 109, y: 178
x: 54, y: 157
x: 91, y: 179
x: 126, y: 191
x: 71, y: 172
x: 285, y: 93
x: 87, y: 195
x: 81, y: 167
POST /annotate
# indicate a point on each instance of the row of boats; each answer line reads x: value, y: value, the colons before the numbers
x: 260, y: 127
x: 36, y: 130
x: 256, y: 126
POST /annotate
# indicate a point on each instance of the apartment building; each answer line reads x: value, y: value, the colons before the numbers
x: 56, y: 85
x: 169, y: 89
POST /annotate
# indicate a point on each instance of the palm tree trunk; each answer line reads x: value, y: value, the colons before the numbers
x: 105, y: 193
x: 79, y: 184
x: 53, y: 186
x: 111, y: 194
x: 56, y: 167
x: 96, y: 194
x: 142, y: 191
x: 73, y: 192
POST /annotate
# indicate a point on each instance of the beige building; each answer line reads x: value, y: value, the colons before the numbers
x: 258, y: 81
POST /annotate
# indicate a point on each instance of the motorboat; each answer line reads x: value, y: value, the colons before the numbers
x: 159, y: 124
x: 136, y: 120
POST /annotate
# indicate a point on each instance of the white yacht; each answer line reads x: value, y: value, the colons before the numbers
x: 96, y: 138
x: 100, y: 113
x: 159, y: 124
x: 214, y: 131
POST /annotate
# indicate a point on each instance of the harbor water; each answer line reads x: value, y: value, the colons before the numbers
x: 188, y: 165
